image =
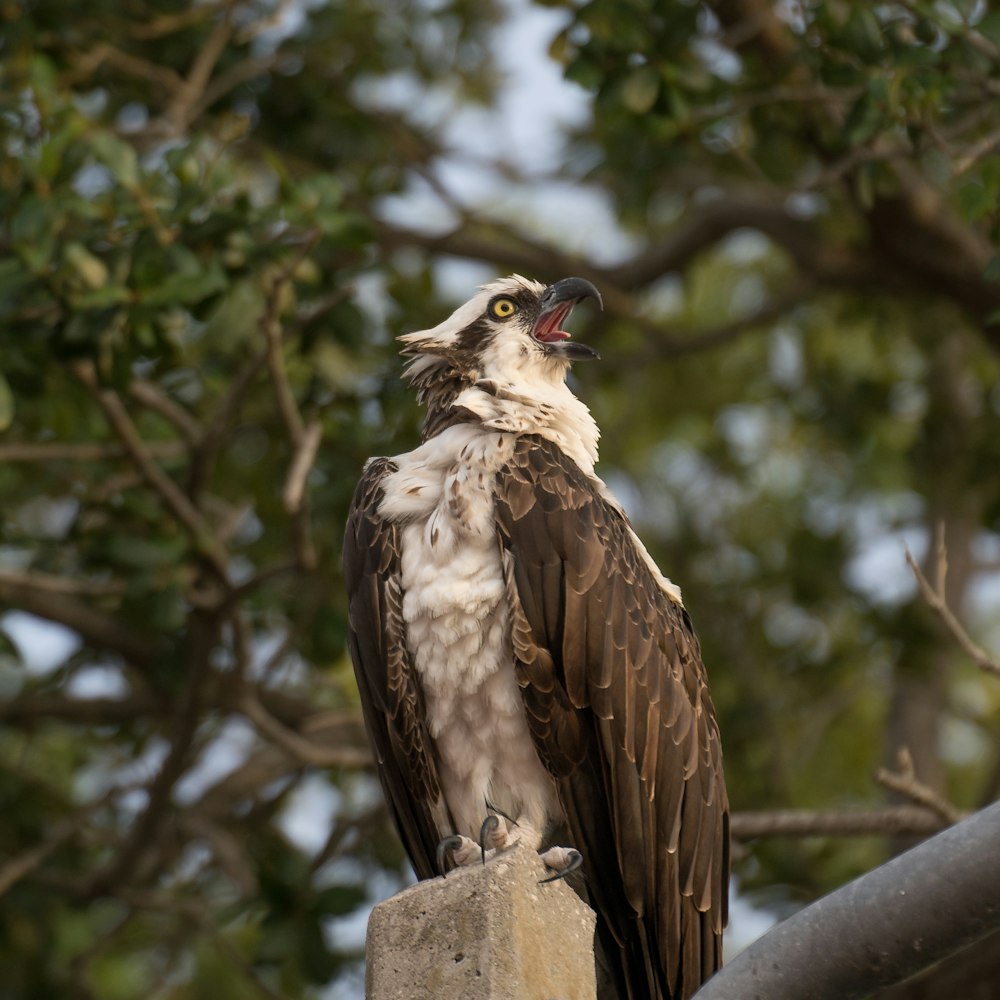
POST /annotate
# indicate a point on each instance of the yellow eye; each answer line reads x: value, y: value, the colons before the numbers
x: 503, y: 308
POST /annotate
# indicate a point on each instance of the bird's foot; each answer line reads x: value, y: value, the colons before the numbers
x: 561, y: 860
x: 499, y: 832
x: 461, y: 850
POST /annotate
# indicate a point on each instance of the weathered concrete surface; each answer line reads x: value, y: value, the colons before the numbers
x: 486, y: 932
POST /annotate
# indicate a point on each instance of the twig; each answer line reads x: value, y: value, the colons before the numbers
x: 285, y: 398
x: 167, y: 24
x: 304, y: 439
x: 680, y: 343
x: 905, y: 782
x: 186, y: 718
x: 302, y: 463
x: 935, y: 600
x: 171, y: 494
x: 181, y: 111
x: 162, y: 76
x: 194, y: 913
x: 26, y: 862
x: 231, y: 78
x: 271, y: 325
x: 155, y: 399
x: 227, y: 847
x: 305, y: 750
x: 215, y: 431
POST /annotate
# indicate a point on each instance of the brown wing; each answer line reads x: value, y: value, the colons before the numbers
x: 391, y: 697
x: 618, y: 704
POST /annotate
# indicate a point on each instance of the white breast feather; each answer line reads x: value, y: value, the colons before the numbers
x: 457, y: 618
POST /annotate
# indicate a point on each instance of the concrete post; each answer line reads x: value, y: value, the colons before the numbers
x: 486, y: 932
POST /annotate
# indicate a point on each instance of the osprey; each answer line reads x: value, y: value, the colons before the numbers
x: 526, y: 672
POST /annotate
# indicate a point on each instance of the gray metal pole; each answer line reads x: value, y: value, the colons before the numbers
x: 880, y: 929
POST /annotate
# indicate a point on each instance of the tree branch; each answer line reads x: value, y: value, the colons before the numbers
x: 935, y: 600
x: 904, y: 782
x: 181, y: 111
x: 203, y: 634
x: 95, y: 628
x: 304, y: 750
x: 51, y: 583
x: 17, y: 867
x: 154, y: 398
x: 171, y: 494
x: 58, y: 451
x: 29, y: 711
x: 887, y: 821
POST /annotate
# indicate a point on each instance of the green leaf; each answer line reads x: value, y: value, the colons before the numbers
x: 989, y: 27
x: 6, y: 404
x: 863, y: 120
x: 33, y: 231
x: 118, y: 156
x: 640, y: 90
x: 13, y: 280
x: 91, y: 271
x: 992, y: 271
x: 187, y: 287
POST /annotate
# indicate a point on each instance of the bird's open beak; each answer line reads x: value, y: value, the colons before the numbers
x: 555, y: 305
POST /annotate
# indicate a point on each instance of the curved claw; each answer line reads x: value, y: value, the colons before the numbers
x: 489, y: 825
x: 444, y: 847
x: 573, y: 861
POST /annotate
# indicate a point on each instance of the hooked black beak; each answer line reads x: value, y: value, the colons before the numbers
x: 571, y: 290
x: 555, y: 305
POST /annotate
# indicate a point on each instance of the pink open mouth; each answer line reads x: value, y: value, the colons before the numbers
x: 547, y: 329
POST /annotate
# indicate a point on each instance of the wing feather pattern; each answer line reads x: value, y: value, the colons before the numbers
x: 618, y: 705
x: 391, y: 695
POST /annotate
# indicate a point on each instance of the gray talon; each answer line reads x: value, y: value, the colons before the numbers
x: 489, y: 825
x: 444, y: 847
x: 574, y: 860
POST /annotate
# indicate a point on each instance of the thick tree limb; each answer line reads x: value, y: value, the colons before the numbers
x: 935, y: 899
x: 52, y: 583
x: 887, y: 821
x: 39, y: 708
x: 58, y: 451
x: 97, y: 629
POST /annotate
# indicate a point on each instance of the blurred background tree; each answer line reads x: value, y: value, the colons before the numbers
x: 214, y: 217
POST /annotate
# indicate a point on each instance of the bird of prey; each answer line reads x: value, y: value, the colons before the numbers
x: 526, y: 672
